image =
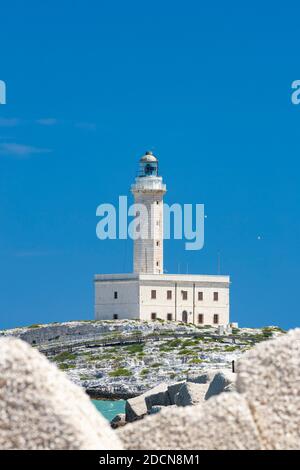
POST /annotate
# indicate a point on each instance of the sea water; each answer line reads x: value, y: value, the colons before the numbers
x: 110, y: 408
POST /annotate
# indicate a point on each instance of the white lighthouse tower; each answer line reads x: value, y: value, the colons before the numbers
x: 148, y: 191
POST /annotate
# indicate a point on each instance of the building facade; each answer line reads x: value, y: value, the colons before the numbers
x: 148, y: 293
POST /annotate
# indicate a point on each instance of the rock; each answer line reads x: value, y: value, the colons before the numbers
x: 268, y: 378
x: 190, y: 394
x: 224, y: 422
x: 157, y: 396
x: 118, y: 421
x: 263, y: 414
x: 173, y: 390
x: 203, y: 378
x: 220, y: 382
x: 137, y: 408
x: 41, y: 409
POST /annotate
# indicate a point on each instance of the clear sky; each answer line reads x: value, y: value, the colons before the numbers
x: 91, y: 85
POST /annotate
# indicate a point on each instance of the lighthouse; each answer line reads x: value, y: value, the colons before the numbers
x: 148, y: 293
x: 148, y: 191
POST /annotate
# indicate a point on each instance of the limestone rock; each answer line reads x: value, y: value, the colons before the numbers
x: 173, y: 390
x: 222, y: 381
x: 118, y: 421
x: 157, y: 396
x: 41, y: 409
x: 269, y: 379
x: 190, y: 394
x: 137, y: 408
x: 204, y: 378
x: 223, y: 422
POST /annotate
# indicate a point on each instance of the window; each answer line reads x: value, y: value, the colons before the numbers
x: 200, y: 318
x: 169, y: 294
x: 157, y: 202
x: 153, y: 316
x: 169, y: 316
x: 115, y: 316
x: 115, y: 295
x: 153, y: 294
x: 216, y: 295
x: 157, y: 243
x: 216, y: 319
x: 184, y: 294
x: 200, y: 295
x: 157, y: 263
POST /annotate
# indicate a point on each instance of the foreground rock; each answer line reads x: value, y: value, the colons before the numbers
x: 41, y: 409
x: 208, y: 426
x: 264, y: 413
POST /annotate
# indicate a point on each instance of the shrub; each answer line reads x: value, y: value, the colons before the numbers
x: 64, y: 366
x: 185, y: 352
x: 196, y: 360
x: 120, y: 372
x: 64, y: 356
x: 135, y: 348
x: 145, y: 371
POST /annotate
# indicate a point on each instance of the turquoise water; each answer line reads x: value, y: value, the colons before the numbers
x: 108, y: 408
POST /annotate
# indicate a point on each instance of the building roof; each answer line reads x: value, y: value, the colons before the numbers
x: 163, y: 277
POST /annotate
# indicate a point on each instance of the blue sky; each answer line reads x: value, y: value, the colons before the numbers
x: 90, y: 86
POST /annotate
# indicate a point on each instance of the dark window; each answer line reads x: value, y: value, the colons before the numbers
x: 115, y: 316
x: 115, y: 295
x: 157, y: 263
x: 216, y: 319
x: 184, y: 294
x: 157, y: 202
x: 184, y: 316
x: 200, y: 295
x: 157, y: 243
x: 200, y: 318
x: 216, y: 295
x: 169, y: 316
x: 153, y: 316
x: 153, y: 294
x: 169, y: 294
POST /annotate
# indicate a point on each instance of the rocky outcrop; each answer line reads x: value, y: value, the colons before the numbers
x: 41, y: 409
x: 190, y: 394
x: 264, y: 412
x: 221, y: 382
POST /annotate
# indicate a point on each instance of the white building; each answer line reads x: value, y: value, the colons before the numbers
x: 148, y: 293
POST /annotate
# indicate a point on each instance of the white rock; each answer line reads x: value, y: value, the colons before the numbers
x: 41, y: 409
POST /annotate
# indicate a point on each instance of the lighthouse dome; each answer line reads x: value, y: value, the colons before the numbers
x: 148, y: 157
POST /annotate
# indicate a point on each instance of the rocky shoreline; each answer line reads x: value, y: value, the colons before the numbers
x: 123, y: 359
